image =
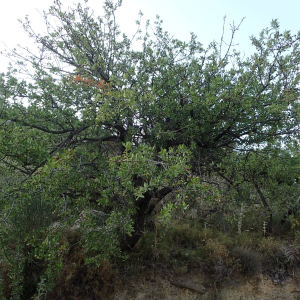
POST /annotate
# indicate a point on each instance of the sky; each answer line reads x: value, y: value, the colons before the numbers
x: 203, y: 17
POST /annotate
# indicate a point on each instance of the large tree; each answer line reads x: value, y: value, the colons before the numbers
x: 101, y: 132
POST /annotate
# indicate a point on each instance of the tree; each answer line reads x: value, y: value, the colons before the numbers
x: 268, y: 176
x: 100, y: 130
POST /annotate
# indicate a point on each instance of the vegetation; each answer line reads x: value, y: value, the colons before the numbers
x: 96, y: 136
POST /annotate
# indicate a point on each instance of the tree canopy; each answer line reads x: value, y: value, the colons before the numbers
x: 99, y: 133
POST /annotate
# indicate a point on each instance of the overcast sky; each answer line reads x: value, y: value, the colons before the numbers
x: 203, y: 17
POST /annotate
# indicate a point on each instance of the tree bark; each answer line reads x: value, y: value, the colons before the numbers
x: 142, y: 209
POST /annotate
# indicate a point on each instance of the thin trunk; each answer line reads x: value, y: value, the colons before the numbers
x: 266, y: 205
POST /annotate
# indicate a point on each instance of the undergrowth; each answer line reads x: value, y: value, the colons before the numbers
x: 180, y: 245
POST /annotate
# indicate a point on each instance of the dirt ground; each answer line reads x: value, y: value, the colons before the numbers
x: 195, y: 286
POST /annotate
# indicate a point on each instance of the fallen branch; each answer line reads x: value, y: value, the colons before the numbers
x: 192, y: 287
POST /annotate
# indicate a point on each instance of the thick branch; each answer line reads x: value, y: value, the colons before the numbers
x: 41, y: 128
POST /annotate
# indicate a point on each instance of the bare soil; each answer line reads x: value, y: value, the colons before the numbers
x: 152, y: 285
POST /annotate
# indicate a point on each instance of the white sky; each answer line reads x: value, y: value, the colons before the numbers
x: 203, y: 17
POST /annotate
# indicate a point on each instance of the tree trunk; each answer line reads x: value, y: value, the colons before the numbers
x: 266, y: 205
x: 142, y: 209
